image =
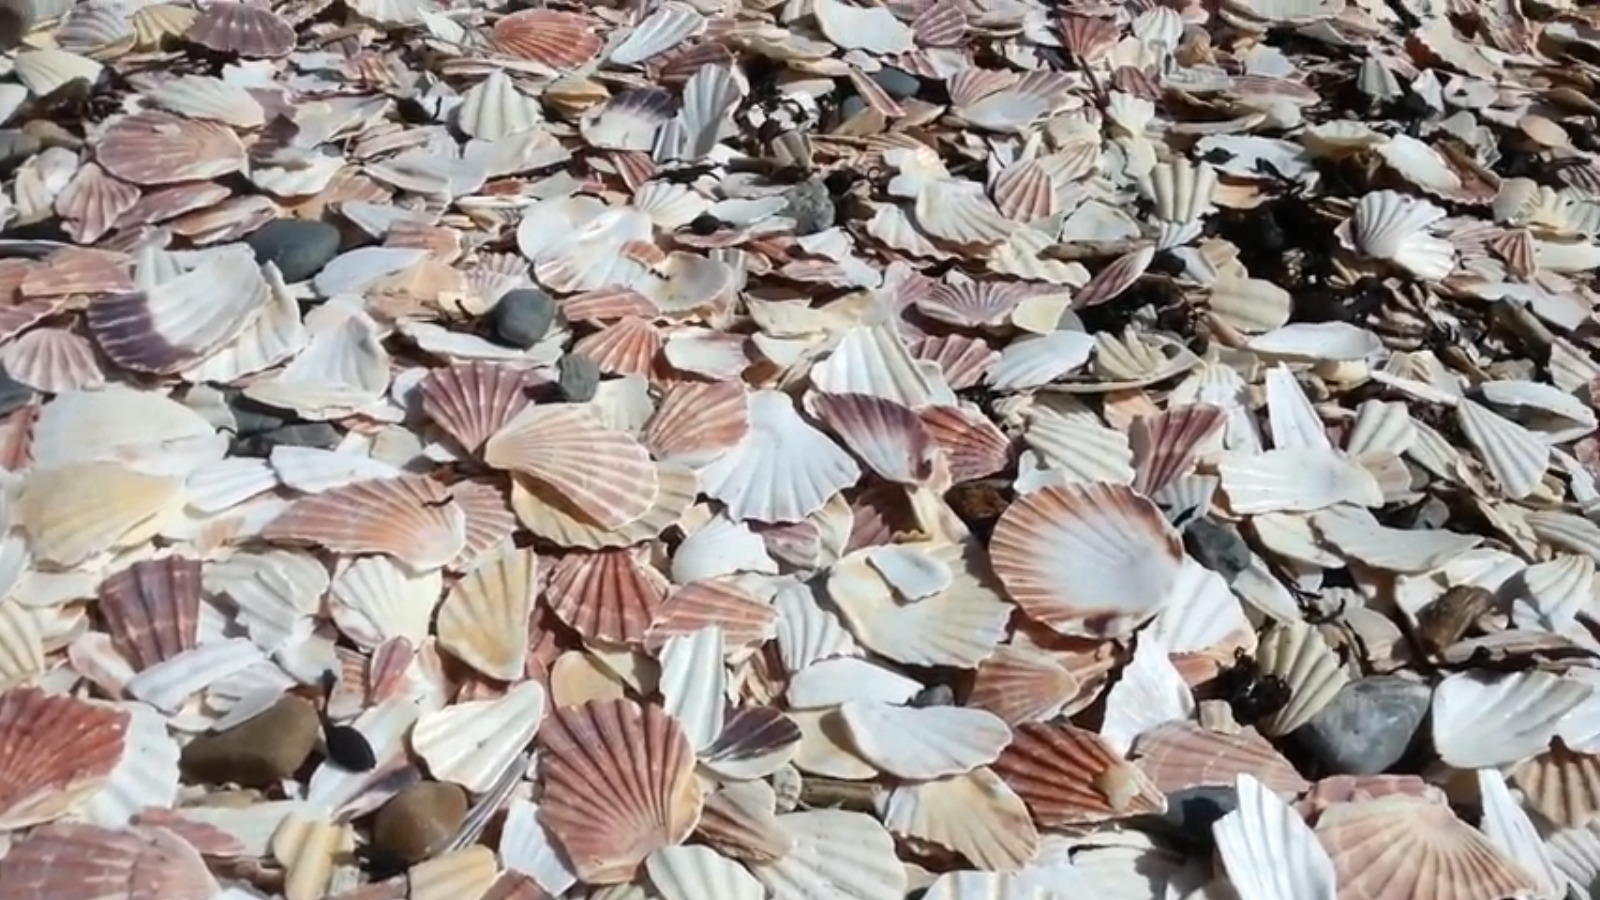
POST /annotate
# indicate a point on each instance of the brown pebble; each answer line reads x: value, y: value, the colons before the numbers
x: 257, y: 753
x: 416, y: 822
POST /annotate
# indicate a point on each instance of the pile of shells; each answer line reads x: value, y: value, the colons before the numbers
x: 799, y: 450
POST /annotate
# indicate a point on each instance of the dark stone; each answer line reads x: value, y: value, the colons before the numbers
x: 319, y: 435
x: 16, y: 147
x: 578, y: 378
x: 1367, y: 727
x: 851, y: 107
x: 1192, y: 811
x: 810, y: 207
x: 416, y: 822
x: 13, y: 394
x: 298, y: 247
x: 522, y: 317
x: 251, y: 418
x: 258, y: 753
x: 1218, y: 547
x: 897, y: 84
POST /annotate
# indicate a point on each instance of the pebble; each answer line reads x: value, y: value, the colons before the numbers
x: 522, y: 317
x: 250, y: 418
x: 1218, y: 547
x: 579, y: 378
x: 417, y: 821
x: 13, y: 394
x: 16, y: 147
x: 319, y: 435
x: 897, y: 84
x: 257, y: 753
x: 1367, y: 727
x: 1192, y: 811
x: 16, y: 20
x: 298, y: 247
x: 809, y: 206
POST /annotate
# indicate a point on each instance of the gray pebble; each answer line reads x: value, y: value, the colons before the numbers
x: 1218, y: 547
x: 851, y: 107
x: 896, y: 83
x: 318, y: 435
x: 810, y: 207
x: 578, y: 378
x: 13, y: 394
x: 1192, y: 811
x: 298, y: 247
x: 1367, y: 727
x: 522, y: 317
x: 16, y: 147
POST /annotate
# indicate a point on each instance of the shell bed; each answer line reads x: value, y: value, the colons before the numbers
x: 799, y: 450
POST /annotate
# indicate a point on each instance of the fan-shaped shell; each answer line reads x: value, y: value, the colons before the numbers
x: 1269, y: 851
x: 473, y: 743
x: 559, y: 40
x: 88, y: 862
x: 484, y: 619
x: 888, y: 437
x: 494, y: 109
x: 54, y: 753
x: 610, y: 596
x: 1181, y: 755
x: 1296, y: 653
x: 603, y: 474
x: 243, y: 28
x: 1392, y: 226
x: 619, y: 784
x: 1092, y: 560
x: 152, y: 609
x: 783, y: 470
x: 473, y: 400
x: 155, y: 147
x: 697, y: 423
x: 410, y: 518
x: 1069, y: 776
x: 1396, y: 847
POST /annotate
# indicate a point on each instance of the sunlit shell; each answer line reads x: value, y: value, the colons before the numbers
x: 473, y: 400
x: 1561, y: 785
x: 1391, y: 226
x: 57, y: 751
x: 1182, y: 755
x: 604, y: 475
x: 611, y: 596
x: 93, y: 203
x: 242, y: 28
x: 412, y: 519
x: 473, y: 743
x: 927, y: 743
x: 71, y: 513
x: 559, y: 40
x: 1406, y: 847
x: 88, y: 861
x: 1268, y: 849
x: 152, y: 609
x: 1166, y: 446
x: 1068, y: 776
x: 696, y: 423
x: 888, y: 437
x: 1051, y: 546
x: 484, y: 619
x: 783, y: 470
x: 1022, y: 685
x: 836, y: 853
x: 744, y: 620
x: 739, y: 820
x: 156, y: 147
x: 494, y: 109
x: 53, y: 360
x: 618, y: 785
x: 973, y: 446
x: 1297, y: 654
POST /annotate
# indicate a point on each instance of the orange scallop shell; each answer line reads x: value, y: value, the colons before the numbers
x: 411, y: 518
x: 611, y: 596
x: 54, y: 753
x: 472, y: 400
x: 1179, y: 755
x: 88, y: 862
x: 1069, y: 776
x: 559, y: 40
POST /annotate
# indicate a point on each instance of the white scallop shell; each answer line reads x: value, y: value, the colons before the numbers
x: 694, y: 873
x: 1516, y: 457
x: 1392, y: 226
x: 1180, y: 190
x: 923, y: 743
x: 374, y: 598
x: 1297, y: 653
x: 1269, y: 851
x: 694, y: 682
x: 668, y: 26
x: 1482, y: 721
x: 836, y: 854
x: 1295, y: 481
x: 205, y: 97
x: 472, y: 743
x: 1381, y: 427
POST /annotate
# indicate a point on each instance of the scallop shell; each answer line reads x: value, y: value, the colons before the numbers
x: 74, y: 512
x: 1561, y: 785
x: 242, y: 28
x: 542, y: 512
x: 975, y: 815
x: 87, y: 861
x: 697, y: 423
x: 973, y: 446
x: 559, y: 40
x: 155, y: 147
x: 836, y: 854
x: 473, y: 400
x: 628, y: 346
x: 410, y: 518
x: 610, y: 596
x: 1021, y: 685
x: 1167, y: 445
x: 888, y: 437
x: 1024, y: 192
x: 473, y: 743
x: 1069, y: 776
x: 1297, y: 654
x: 744, y: 620
x: 1051, y: 543
x: 1181, y: 191
x: 205, y: 97
x: 691, y: 873
x: 1182, y: 755
x: 619, y: 784
x: 152, y: 609
x: 57, y: 752
x: 93, y: 202
x: 1480, y: 722
x: 956, y: 627
x: 495, y: 109
x: 603, y: 474
x: 1268, y: 849
x: 664, y: 29
x: 53, y: 360
x: 739, y: 820
x: 1391, y: 226
x: 783, y: 470
x: 1516, y: 457
x: 920, y: 744
x: 1406, y: 847
x: 179, y: 322
x: 484, y: 619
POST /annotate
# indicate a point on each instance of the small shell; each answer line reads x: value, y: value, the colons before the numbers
x: 1068, y: 776
x: 473, y: 400
x: 888, y: 437
x: 692, y: 873
x: 410, y: 518
x: 611, y: 596
x: 920, y: 744
x: 495, y: 109
x: 604, y: 474
x: 242, y: 28
x: 1022, y: 685
x: 697, y: 423
x: 54, y: 753
x: 152, y: 609
x: 472, y: 743
x: 484, y: 619
x: 619, y: 784
x: 559, y: 40
x: 1181, y: 755
x: 1297, y: 654
x: 783, y: 470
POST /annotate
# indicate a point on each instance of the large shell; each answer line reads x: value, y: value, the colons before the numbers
x: 473, y: 400
x: 242, y: 28
x: 611, y: 596
x: 1182, y: 755
x: 484, y: 619
x: 413, y: 519
x: 605, y: 475
x: 54, y: 753
x: 619, y: 784
x: 1091, y: 560
x: 1404, y: 847
x: 155, y: 147
x: 59, y: 862
x: 1069, y: 776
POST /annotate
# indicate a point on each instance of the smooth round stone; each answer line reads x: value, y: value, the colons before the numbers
x: 257, y: 753
x: 851, y: 107
x: 522, y: 317
x: 1367, y: 727
x: 578, y: 378
x: 810, y: 206
x: 896, y: 83
x: 1218, y: 547
x: 13, y: 394
x: 416, y: 822
x: 298, y: 247
x: 318, y: 435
